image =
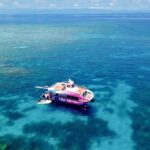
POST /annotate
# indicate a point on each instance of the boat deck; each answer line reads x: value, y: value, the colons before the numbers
x: 64, y: 87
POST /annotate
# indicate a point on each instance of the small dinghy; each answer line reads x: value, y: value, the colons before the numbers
x: 44, y: 101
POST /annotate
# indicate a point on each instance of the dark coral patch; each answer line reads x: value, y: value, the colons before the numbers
x: 141, y: 126
x: 13, y: 115
x: 10, y: 123
x: 29, y: 109
x: 8, y: 104
x: 141, y: 115
x: 80, y: 134
x: 73, y: 135
x: 40, y: 129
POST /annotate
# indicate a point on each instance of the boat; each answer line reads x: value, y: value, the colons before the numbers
x: 66, y: 92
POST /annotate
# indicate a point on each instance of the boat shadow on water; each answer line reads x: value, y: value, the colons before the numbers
x: 87, y: 110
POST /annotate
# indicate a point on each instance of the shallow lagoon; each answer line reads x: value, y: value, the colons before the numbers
x: 109, y: 56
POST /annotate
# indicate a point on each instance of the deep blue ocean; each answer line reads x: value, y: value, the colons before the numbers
x: 109, y: 54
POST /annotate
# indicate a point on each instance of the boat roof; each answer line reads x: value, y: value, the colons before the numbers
x: 64, y: 87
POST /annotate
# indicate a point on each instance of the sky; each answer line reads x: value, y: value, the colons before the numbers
x: 75, y: 4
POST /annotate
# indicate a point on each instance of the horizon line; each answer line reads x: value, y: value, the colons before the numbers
x: 68, y: 11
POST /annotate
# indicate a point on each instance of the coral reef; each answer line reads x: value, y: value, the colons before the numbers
x: 77, y: 135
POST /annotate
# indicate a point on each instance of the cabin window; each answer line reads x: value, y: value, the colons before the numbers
x: 72, y: 97
x: 62, y: 96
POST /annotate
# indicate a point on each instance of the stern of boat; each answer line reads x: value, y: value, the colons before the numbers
x: 89, y: 95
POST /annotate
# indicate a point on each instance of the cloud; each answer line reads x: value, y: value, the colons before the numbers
x: 112, y: 3
x: 52, y: 5
x: 96, y: 4
x: 100, y: 7
x: 16, y: 3
x: 78, y: 4
x: 1, y: 4
x: 20, y: 5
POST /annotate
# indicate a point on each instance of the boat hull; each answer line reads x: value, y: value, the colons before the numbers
x: 63, y: 100
x: 69, y: 101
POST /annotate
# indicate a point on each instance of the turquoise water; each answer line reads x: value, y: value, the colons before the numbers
x: 109, y: 55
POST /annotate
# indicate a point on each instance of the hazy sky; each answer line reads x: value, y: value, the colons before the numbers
x: 75, y: 4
